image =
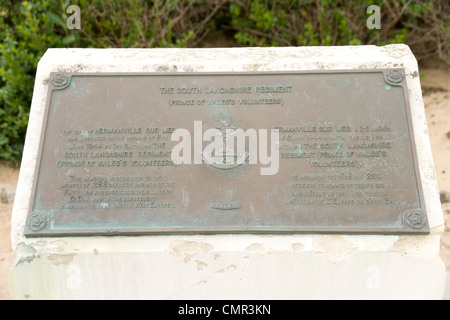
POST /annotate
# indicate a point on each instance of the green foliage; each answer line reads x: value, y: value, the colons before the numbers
x: 330, y: 22
x: 145, y: 23
x: 24, y: 32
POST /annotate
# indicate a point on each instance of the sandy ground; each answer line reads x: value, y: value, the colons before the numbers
x: 8, y: 179
x: 436, y: 95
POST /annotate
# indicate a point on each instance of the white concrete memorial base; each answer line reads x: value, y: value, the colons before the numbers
x: 307, y: 266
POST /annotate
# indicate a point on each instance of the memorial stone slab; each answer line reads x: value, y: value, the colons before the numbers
x: 111, y: 203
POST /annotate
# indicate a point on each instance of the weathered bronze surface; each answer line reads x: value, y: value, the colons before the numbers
x: 347, y: 160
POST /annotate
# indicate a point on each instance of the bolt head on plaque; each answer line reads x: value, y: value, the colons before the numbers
x: 415, y: 219
x: 38, y: 221
x: 394, y: 77
x: 60, y: 80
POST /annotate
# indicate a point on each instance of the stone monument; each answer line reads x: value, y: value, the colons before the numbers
x: 241, y: 173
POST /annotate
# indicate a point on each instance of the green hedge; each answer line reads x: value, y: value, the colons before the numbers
x: 324, y: 22
x: 26, y: 32
x: 28, y: 28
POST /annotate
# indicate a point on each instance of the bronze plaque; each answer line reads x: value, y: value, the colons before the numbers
x: 140, y: 153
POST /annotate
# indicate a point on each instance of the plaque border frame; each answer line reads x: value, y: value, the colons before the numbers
x: 42, y: 220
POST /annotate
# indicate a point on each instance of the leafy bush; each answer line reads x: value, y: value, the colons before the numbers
x: 146, y: 23
x: 24, y: 30
x: 421, y: 24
